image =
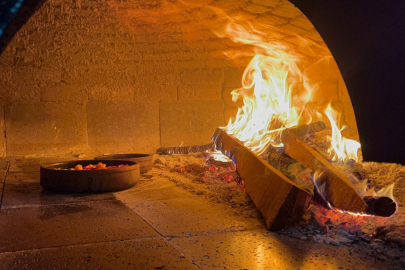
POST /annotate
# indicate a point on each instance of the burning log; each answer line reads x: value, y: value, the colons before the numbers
x: 302, y: 131
x: 183, y: 150
x: 380, y: 206
x: 339, y: 192
x: 291, y: 169
x: 281, y: 202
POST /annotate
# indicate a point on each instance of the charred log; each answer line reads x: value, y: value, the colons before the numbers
x: 380, y: 206
x: 183, y: 150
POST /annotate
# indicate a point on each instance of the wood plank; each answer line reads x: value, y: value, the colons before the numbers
x: 281, y: 202
x: 339, y: 192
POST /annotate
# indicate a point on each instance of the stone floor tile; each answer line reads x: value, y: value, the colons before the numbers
x: 24, y: 189
x: 27, y: 228
x: 190, y: 215
x: 260, y: 249
x: 152, y: 253
x: 154, y: 189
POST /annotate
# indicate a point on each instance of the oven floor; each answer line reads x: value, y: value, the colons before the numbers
x: 155, y: 225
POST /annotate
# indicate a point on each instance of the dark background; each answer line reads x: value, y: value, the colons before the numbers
x: 367, y: 40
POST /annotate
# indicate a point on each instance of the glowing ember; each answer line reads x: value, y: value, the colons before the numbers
x: 267, y: 83
x: 98, y: 166
x: 341, y: 149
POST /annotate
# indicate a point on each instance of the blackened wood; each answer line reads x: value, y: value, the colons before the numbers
x: 380, y: 206
x: 281, y: 202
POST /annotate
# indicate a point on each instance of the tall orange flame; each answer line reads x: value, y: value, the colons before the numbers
x: 267, y: 86
x: 341, y: 148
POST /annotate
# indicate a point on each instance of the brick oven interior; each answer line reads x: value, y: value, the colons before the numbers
x: 83, y: 78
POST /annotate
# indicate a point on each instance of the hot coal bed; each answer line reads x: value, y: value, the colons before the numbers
x: 241, y: 117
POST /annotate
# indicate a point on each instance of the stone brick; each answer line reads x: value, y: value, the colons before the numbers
x: 286, y: 9
x: 227, y: 97
x: 195, y: 36
x: 198, y: 76
x: 201, y: 13
x: 45, y: 128
x: 64, y: 92
x: 233, y: 77
x: 291, y: 29
x: 302, y: 22
x: 114, y: 93
x: 230, y: 113
x: 155, y: 92
x: 159, y: 48
x: 19, y: 91
x: 180, y: 55
x: 156, y: 85
x: 37, y: 75
x: 308, y: 51
x: 2, y: 134
x: 214, y: 44
x: 218, y: 63
x: 189, y: 122
x: 123, y: 127
x: 314, y: 35
x: 148, y: 70
x: 75, y: 224
x: 206, y: 91
x: 188, y: 64
x: 241, y: 15
x: 350, y: 115
x: 271, y: 20
x: 179, y: 16
x: 254, y: 8
x: 343, y: 92
x: 267, y: 3
x: 229, y: 4
x: 324, y: 69
x: 326, y: 91
x: 319, y: 50
x: 299, y: 40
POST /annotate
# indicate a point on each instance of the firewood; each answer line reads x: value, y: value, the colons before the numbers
x: 380, y: 206
x: 292, y: 169
x: 281, y: 202
x: 304, y: 130
x: 338, y: 190
x: 184, y: 150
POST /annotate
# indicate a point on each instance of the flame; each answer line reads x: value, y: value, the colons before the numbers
x: 360, y: 186
x: 218, y: 156
x: 267, y: 86
x: 341, y: 148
